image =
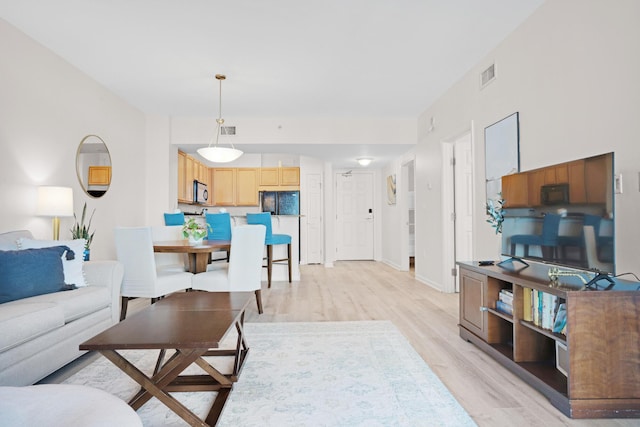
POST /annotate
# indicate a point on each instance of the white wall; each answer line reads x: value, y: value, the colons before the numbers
x: 46, y: 108
x: 571, y: 70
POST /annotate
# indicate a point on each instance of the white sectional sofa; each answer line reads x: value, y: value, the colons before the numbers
x: 40, y: 334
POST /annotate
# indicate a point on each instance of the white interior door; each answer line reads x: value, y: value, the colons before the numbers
x: 315, y: 241
x: 354, y: 216
x: 457, y: 190
x: 463, y: 198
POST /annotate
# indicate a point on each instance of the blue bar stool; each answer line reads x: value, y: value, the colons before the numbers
x: 270, y: 240
x: 220, y: 224
x: 174, y: 218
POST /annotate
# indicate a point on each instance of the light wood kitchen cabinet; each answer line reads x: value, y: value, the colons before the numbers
x: 184, y: 196
x: 235, y: 186
x: 279, y: 179
x: 223, y: 187
x: 269, y: 176
x: 182, y: 160
x: 190, y: 169
x: 247, y: 187
x: 289, y: 176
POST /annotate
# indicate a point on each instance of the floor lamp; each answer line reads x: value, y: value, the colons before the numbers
x: 55, y: 202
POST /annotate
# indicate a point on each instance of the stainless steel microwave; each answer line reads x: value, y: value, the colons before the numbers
x: 200, y: 193
x: 554, y: 194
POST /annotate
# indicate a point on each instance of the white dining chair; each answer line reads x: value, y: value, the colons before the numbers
x: 176, y: 262
x: 142, y: 277
x: 244, y: 271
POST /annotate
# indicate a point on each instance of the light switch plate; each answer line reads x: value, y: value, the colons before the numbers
x: 618, y: 183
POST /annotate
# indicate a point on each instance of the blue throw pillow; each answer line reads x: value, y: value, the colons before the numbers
x: 32, y: 272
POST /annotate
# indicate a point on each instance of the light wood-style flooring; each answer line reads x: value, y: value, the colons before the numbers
x: 364, y: 290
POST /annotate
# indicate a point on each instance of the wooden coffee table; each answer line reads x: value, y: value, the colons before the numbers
x: 193, y: 324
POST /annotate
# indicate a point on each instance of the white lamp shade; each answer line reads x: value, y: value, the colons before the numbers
x: 55, y: 201
x: 364, y: 161
x: 219, y: 154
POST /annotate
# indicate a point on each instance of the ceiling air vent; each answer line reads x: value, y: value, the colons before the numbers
x: 227, y: 130
x: 487, y: 76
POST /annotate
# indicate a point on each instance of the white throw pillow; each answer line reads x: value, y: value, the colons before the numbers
x: 73, y: 273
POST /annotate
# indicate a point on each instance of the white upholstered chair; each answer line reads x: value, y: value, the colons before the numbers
x: 169, y: 261
x: 142, y: 278
x: 244, y: 270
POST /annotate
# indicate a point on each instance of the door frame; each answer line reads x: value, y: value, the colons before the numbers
x: 450, y: 282
x: 404, y: 205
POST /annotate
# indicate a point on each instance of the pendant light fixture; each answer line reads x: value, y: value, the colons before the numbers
x: 216, y: 153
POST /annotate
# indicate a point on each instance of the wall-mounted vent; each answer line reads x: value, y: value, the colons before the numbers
x: 487, y: 76
x: 228, y: 130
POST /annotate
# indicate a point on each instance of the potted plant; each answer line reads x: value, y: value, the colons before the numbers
x: 194, y: 231
x: 82, y: 231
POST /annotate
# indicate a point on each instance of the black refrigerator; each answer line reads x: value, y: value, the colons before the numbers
x: 280, y: 202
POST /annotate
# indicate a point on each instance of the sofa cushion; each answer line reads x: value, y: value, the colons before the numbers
x: 73, y: 274
x: 20, y: 323
x: 31, y: 272
x: 76, y: 303
x: 9, y: 241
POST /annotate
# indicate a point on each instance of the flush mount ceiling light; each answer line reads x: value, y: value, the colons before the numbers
x: 216, y: 153
x: 364, y: 161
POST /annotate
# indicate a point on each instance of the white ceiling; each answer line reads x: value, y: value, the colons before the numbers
x: 282, y: 58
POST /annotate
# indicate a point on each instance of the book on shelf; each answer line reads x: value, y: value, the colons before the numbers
x: 526, y: 312
x: 543, y: 309
x: 546, y: 316
x: 505, y: 308
x: 560, y: 322
x: 506, y: 296
x: 535, y: 303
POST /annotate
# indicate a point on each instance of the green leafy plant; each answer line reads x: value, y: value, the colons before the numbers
x: 495, y: 213
x: 195, y: 230
x: 82, y: 231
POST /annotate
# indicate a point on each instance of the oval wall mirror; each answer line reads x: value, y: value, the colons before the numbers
x: 93, y: 166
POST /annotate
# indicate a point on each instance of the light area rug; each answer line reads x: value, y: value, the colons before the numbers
x: 307, y: 374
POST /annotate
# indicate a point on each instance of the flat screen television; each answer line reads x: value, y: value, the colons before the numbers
x: 562, y: 214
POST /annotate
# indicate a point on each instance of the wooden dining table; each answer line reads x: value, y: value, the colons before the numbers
x: 198, y: 254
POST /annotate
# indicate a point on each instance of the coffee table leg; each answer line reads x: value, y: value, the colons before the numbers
x: 241, y: 348
x: 154, y: 389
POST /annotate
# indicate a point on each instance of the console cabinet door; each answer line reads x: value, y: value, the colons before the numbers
x: 473, y: 288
